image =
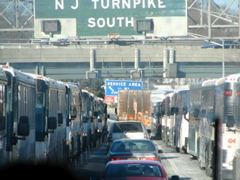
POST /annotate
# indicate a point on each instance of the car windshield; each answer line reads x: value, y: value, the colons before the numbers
x: 129, y: 127
x: 132, y: 146
x: 130, y: 170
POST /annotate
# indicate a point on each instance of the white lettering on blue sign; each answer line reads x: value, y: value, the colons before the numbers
x: 112, y: 87
x: 135, y: 84
x: 116, y: 83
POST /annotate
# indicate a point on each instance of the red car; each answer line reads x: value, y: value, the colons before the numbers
x: 135, y: 170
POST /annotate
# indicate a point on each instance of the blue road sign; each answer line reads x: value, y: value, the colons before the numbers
x: 112, y: 86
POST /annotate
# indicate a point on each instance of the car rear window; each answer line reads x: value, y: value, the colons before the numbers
x: 125, y: 146
x: 127, y: 127
x: 128, y: 170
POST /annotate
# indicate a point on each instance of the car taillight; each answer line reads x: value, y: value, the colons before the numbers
x: 149, y: 158
x: 146, y: 137
x: 228, y: 93
x: 116, y: 159
x: 237, y: 94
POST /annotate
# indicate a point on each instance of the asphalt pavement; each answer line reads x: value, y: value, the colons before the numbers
x: 92, y: 163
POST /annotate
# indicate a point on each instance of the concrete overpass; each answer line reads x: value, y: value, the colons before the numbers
x: 115, y: 61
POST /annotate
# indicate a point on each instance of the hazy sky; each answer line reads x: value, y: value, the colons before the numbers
x: 234, y: 5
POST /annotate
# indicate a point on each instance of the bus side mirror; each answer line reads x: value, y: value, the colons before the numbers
x: 173, y: 109
x: 176, y: 110
x: 52, y: 124
x: 196, y: 113
x: 95, y: 113
x: 210, y: 117
x: 73, y: 113
x: 185, y: 110
x: 23, y: 126
x: 203, y: 113
x: 60, y: 118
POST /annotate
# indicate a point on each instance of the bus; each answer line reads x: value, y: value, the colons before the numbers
x: 236, y: 160
x: 4, y: 155
x: 157, y: 97
x: 194, y: 110
x: 181, y: 121
x: 206, y: 129
x: 74, y: 126
x: 86, y: 120
x: 20, y: 116
x: 166, y: 121
x: 226, y: 122
x: 101, y: 116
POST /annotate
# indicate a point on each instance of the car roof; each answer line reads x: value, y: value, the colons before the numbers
x: 132, y: 121
x: 134, y: 162
x: 126, y: 140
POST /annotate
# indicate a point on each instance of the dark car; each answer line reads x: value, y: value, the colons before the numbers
x: 133, y: 149
x: 135, y: 170
x: 227, y: 45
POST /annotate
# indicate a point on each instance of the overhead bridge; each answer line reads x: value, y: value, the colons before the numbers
x: 114, y: 61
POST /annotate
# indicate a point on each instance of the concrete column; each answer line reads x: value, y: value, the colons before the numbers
x: 136, y: 62
x: 43, y: 70
x: 37, y: 69
x: 165, y: 61
x: 92, y: 59
x: 171, y: 66
x: 171, y: 56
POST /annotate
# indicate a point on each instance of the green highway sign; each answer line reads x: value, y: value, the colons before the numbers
x: 103, y: 17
